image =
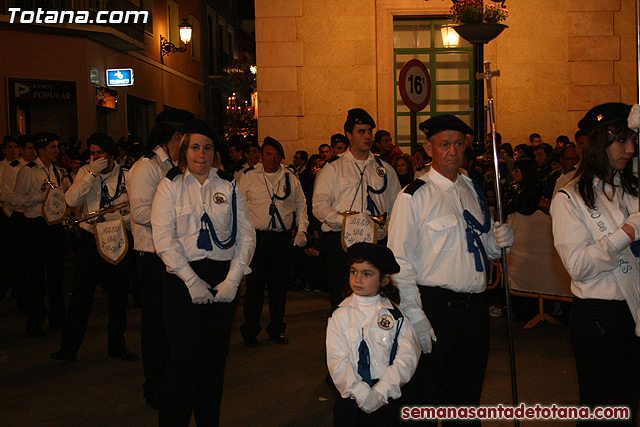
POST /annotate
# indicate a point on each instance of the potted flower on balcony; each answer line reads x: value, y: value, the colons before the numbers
x: 479, y: 22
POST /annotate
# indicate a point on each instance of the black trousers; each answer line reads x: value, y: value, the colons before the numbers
x: 16, y: 256
x: 153, y: 336
x: 270, y: 268
x: 90, y: 269
x: 337, y: 272
x: 607, y: 356
x: 44, y: 251
x: 198, y: 344
x: 453, y: 373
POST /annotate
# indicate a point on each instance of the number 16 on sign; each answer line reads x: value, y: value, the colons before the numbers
x: 415, y: 90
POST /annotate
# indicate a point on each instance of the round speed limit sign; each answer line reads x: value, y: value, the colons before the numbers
x: 415, y: 85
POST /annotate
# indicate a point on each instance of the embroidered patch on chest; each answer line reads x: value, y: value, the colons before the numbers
x: 385, y: 321
x: 381, y: 171
x: 219, y: 198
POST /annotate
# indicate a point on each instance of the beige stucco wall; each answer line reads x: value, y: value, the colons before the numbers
x: 319, y: 58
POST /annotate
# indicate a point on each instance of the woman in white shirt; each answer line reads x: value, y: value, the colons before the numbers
x: 595, y: 222
x: 203, y: 233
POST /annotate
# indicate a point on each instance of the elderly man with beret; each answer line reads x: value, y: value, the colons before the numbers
x: 443, y: 237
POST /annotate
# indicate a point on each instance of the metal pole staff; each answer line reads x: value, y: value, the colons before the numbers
x: 487, y: 75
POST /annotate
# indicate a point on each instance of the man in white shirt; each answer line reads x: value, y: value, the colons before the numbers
x: 11, y: 154
x: 357, y: 181
x: 100, y: 184
x: 274, y: 195
x: 443, y: 238
x: 16, y: 270
x: 144, y: 177
x: 44, y: 244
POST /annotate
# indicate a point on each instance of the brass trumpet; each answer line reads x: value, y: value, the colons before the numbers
x: 99, y: 214
x: 381, y: 220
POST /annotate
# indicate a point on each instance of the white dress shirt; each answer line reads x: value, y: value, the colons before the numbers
x: 590, y: 261
x: 176, y: 215
x: 86, y: 191
x: 258, y: 189
x: 357, y: 317
x: 144, y: 177
x: 30, y: 187
x: 9, y: 176
x: 427, y: 234
x: 340, y: 187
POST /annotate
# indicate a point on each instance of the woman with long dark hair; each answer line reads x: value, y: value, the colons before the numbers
x: 523, y: 194
x: 203, y: 233
x: 595, y: 221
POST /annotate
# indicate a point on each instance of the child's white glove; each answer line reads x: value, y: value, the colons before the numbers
x: 373, y: 402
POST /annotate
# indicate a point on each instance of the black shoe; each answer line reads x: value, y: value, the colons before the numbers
x: 63, y: 355
x: 123, y: 353
x: 36, y: 332
x: 59, y: 325
x: 280, y: 339
x: 153, y: 401
x: 251, y: 342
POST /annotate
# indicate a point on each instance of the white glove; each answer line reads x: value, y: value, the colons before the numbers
x: 199, y: 290
x: 503, y: 234
x: 226, y: 291
x: 633, y: 121
x: 372, y: 403
x: 98, y: 165
x: 425, y: 334
x: 634, y: 221
x: 300, y: 240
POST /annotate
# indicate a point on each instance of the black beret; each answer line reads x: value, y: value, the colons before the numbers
x: 604, y: 114
x: 45, y: 137
x: 275, y: 144
x: 175, y: 116
x: 379, y: 256
x: 105, y: 142
x: 357, y: 116
x: 444, y: 122
x: 203, y: 128
x: 338, y: 137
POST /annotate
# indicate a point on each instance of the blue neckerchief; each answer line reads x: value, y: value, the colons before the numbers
x: 394, y: 347
x: 273, y: 209
x: 207, y: 231
x: 364, y: 361
x: 475, y: 230
x: 105, y: 199
x: 371, y: 205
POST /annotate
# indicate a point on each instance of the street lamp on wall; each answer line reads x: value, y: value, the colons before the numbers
x: 450, y: 38
x: 166, y: 47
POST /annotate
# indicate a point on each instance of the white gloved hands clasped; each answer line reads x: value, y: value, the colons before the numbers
x: 98, y: 165
x: 373, y: 402
x: 634, y: 221
x: 199, y: 290
x: 425, y: 333
x: 300, y: 240
x: 503, y: 234
x: 226, y: 291
x: 633, y: 121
